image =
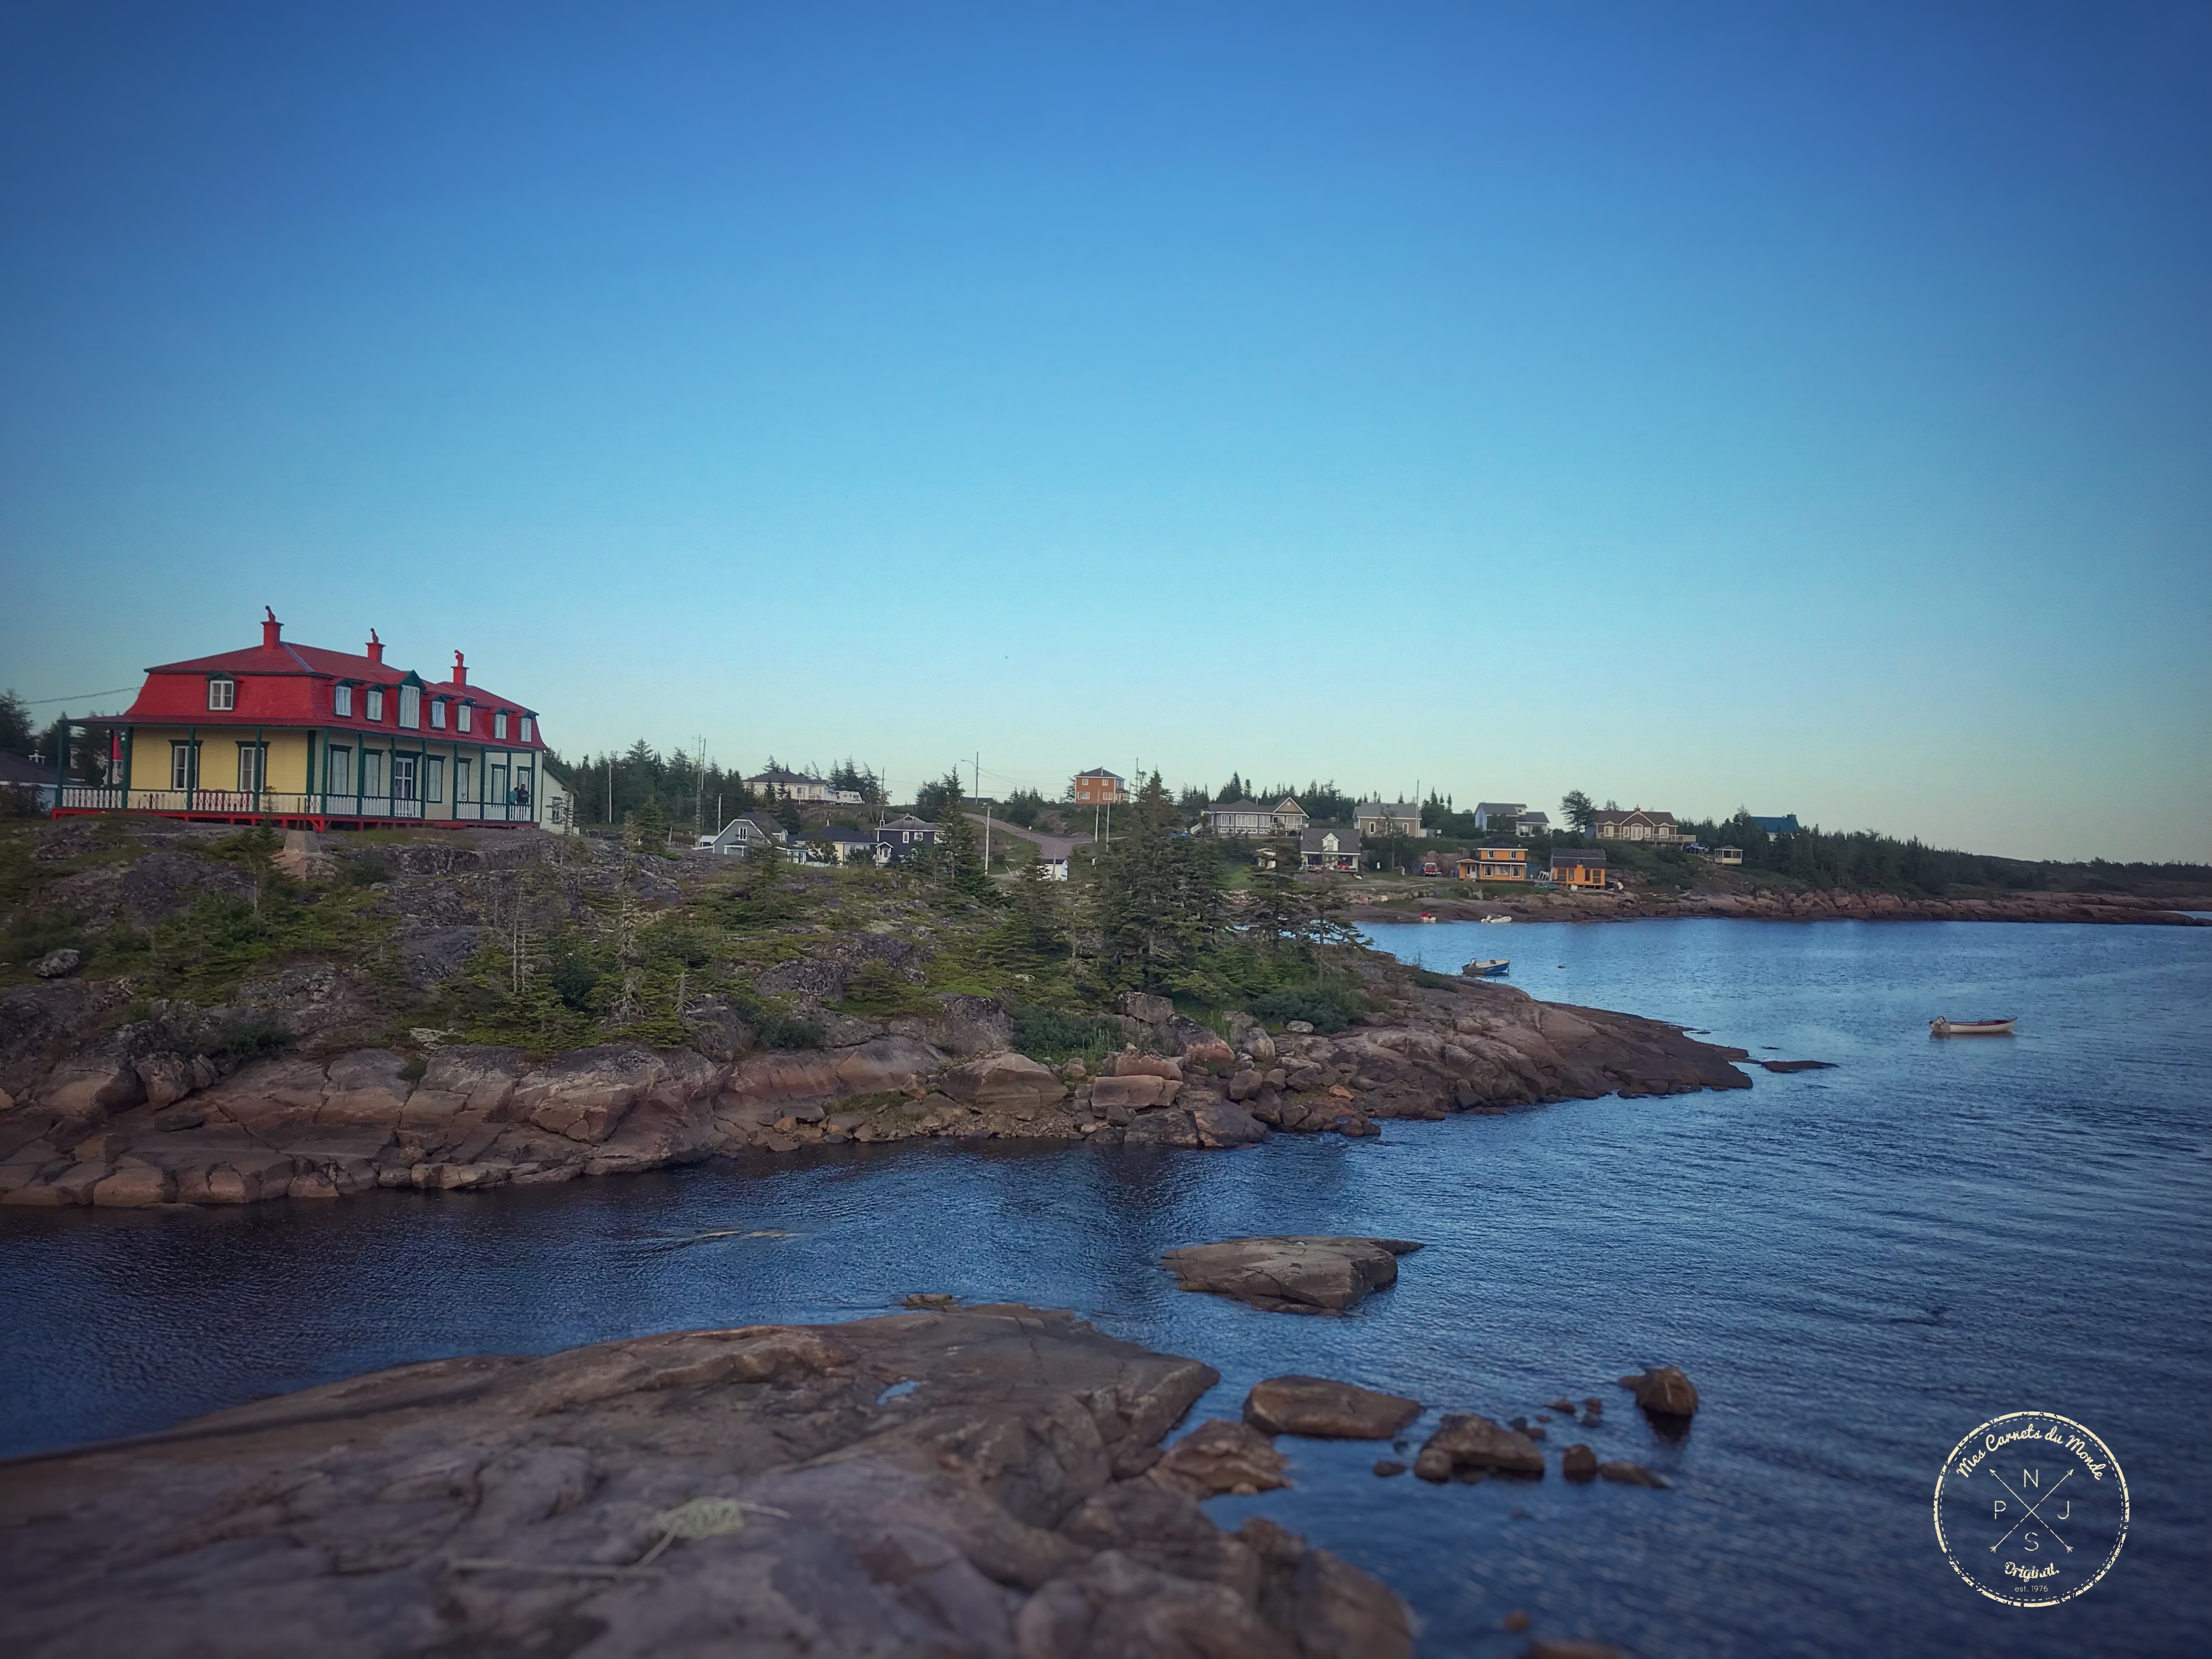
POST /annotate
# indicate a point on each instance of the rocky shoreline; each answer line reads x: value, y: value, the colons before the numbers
x: 985, y: 1481
x: 1809, y: 905
x: 132, y: 1119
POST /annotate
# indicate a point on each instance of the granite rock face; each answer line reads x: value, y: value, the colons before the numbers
x: 1291, y: 1274
x: 1000, y: 1508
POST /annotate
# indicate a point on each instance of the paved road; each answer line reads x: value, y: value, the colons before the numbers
x: 1049, y: 848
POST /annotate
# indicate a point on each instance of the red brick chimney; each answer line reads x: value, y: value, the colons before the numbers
x: 460, y: 670
x: 375, y: 647
x: 271, y: 629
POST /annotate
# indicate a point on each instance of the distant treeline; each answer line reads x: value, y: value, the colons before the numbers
x: 689, y: 791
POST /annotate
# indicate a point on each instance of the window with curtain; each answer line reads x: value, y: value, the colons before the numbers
x: 434, y: 777
x: 339, y: 772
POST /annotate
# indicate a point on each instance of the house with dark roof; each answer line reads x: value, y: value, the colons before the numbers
x: 841, y: 841
x: 903, y: 838
x: 298, y: 735
x: 1396, y: 818
x: 1578, y: 866
x: 1532, y: 824
x: 1494, y: 814
x: 745, y: 832
x: 1329, y: 847
x: 781, y: 783
x: 1784, y: 825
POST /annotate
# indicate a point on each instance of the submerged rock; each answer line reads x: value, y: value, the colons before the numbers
x: 1291, y: 1274
x: 1630, y: 1475
x: 969, y: 1482
x: 1664, y: 1391
x: 1317, y: 1407
x: 1469, y: 1442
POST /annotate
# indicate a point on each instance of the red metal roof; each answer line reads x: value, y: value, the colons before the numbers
x: 283, y: 684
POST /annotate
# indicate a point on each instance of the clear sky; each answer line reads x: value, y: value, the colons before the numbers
x: 1801, y: 407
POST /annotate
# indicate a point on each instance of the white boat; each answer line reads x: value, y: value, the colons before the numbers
x: 1496, y: 918
x: 1488, y: 968
x: 1972, y: 1027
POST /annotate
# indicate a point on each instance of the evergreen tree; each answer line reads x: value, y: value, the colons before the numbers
x: 956, y: 860
x: 1574, y: 807
x: 1038, y: 920
x: 1280, y: 908
x: 1160, y: 903
x: 17, y: 735
x: 648, y: 827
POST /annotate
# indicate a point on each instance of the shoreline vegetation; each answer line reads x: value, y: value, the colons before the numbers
x: 213, y: 1017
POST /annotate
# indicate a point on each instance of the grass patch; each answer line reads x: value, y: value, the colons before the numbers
x: 1055, y: 1037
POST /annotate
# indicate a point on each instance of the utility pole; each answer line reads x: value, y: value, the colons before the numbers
x: 699, y: 791
x: 611, y: 789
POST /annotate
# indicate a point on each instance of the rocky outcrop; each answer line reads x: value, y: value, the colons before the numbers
x: 759, y: 1490
x: 1223, y: 1457
x: 1320, y: 1409
x: 1663, y: 1391
x: 1470, y: 1443
x: 1291, y: 1275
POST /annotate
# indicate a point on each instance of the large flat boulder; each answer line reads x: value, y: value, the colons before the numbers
x: 755, y: 1490
x: 1320, y: 1409
x: 586, y: 1093
x: 1006, y: 1082
x: 1287, y: 1274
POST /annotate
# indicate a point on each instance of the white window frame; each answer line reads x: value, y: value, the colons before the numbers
x: 463, y: 779
x: 183, y: 764
x: 499, y: 725
x: 341, y: 700
x: 372, y: 772
x: 411, y: 707
x: 437, y: 714
x: 375, y: 700
x: 222, y: 694
x: 523, y: 729
x: 464, y: 718
x: 434, y: 777
x: 403, y: 776
x: 252, y: 768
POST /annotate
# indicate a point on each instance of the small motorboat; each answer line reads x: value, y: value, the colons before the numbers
x: 1488, y: 968
x: 1428, y: 915
x: 1496, y: 918
x: 1972, y: 1027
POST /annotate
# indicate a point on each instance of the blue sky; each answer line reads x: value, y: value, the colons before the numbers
x: 1805, y: 408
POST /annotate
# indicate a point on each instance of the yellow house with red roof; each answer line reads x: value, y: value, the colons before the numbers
x: 313, y: 738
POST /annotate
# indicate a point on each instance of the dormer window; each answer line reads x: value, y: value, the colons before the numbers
x: 341, y: 700
x: 376, y: 702
x: 222, y: 693
x: 499, y: 724
x: 438, y: 714
x: 524, y: 728
x: 411, y: 707
x: 463, y: 718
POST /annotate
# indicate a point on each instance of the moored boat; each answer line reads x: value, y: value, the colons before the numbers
x: 1496, y: 918
x: 1972, y: 1027
x: 1488, y: 968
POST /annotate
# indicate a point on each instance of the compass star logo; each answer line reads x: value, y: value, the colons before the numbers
x: 2031, y: 1509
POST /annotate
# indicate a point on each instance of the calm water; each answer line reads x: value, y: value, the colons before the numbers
x: 1856, y: 1266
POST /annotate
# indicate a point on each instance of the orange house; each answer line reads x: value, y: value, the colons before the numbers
x: 1496, y: 864
x: 1098, y: 788
x: 1578, y: 866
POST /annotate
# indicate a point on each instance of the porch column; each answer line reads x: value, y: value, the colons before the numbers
x: 260, y: 764
x: 192, y: 766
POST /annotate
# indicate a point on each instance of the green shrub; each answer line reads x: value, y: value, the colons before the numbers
x: 1324, y: 1008
x: 251, y: 1039
x: 1055, y: 1037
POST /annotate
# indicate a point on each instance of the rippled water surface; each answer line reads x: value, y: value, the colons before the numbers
x: 1855, y: 1266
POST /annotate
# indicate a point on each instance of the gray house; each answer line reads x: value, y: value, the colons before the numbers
x: 1490, y: 815
x: 902, y: 838
x: 742, y: 834
x: 1395, y: 817
x: 1325, y: 846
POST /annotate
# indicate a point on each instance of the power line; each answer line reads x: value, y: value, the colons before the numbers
x: 112, y: 691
